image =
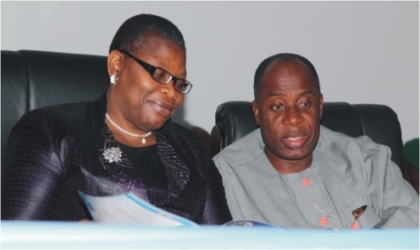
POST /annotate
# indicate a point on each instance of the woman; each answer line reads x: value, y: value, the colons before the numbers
x: 122, y: 142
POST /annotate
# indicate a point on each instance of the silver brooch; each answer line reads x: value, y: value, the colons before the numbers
x: 112, y: 155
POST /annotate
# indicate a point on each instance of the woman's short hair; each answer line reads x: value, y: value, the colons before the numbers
x: 132, y: 34
x: 282, y: 57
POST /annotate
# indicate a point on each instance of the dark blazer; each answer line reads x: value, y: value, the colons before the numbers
x: 55, y: 151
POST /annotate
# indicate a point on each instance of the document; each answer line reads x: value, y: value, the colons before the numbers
x: 247, y: 223
x: 129, y: 209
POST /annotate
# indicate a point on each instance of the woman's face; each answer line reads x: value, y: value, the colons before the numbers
x: 140, y: 102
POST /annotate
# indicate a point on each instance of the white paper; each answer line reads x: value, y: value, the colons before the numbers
x: 129, y: 209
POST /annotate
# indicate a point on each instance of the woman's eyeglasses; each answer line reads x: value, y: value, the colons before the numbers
x: 162, y: 76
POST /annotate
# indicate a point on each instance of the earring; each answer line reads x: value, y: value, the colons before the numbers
x: 112, y: 79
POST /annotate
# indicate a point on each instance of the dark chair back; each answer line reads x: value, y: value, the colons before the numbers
x: 235, y: 119
x: 35, y: 79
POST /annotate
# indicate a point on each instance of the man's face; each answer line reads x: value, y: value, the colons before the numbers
x: 289, y: 110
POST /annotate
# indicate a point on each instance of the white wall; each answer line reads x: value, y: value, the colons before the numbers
x: 364, y: 52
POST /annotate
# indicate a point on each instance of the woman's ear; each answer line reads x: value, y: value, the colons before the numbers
x: 115, y: 59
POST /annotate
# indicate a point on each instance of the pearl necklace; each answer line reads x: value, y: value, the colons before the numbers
x: 143, y: 137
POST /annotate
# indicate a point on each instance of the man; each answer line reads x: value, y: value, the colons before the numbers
x: 294, y: 173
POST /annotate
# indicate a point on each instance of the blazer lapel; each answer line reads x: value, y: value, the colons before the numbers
x: 95, y: 179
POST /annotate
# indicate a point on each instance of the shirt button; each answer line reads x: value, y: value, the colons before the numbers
x: 355, y: 225
x: 306, y: 182
x: 323, y: 221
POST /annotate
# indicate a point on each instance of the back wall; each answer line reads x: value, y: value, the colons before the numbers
x: 364, y: 52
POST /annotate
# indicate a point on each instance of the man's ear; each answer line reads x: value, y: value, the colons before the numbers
x: 321, y: 105
x: 256, y: 112
x: 114, y: 63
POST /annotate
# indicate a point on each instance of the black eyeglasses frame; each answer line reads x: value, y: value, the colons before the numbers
x: 151, y: 70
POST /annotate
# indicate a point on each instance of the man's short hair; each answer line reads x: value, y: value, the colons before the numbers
x: 282, y: 57
x: 132, y: 34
